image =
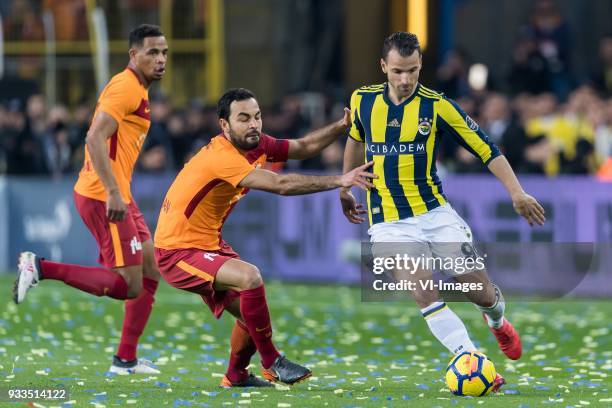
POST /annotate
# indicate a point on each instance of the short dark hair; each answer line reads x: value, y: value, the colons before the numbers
x: 234, y: 94
x: 143, y: 31
x: 405, y: 43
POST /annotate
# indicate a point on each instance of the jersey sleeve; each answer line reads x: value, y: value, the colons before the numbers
x: 119, y: 99
x: 356, y: 132
x: 452, y: 120
x: 231, y: 168
x: 276, y: 150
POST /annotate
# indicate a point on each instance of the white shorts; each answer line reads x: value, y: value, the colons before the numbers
x: 440, y: 232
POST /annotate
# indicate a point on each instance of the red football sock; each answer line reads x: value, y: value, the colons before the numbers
x: 137, y: 312
x: 97, y: 281
x: 242, y: 349
x: 254, y: 311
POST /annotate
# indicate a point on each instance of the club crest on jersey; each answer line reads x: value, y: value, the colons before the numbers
x: 471, y: 123
x: 425, y: 126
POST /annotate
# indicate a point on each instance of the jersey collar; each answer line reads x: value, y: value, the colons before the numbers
x: 401, y: 105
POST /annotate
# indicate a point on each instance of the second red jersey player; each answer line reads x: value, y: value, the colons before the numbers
x: 103, y: 199
x: 190, y: 251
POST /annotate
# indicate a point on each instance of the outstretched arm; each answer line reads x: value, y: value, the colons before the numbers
x: 297, y: 184
x: 524, y: 204
x: 314, y: 142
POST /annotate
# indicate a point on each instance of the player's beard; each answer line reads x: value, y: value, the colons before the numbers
x: 244, y: 143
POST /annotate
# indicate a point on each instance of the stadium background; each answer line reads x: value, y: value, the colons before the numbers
x: 536, y: 75
x: 539, y: 82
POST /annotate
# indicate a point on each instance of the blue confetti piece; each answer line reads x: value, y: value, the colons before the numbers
x: 511, y: 392
x: 423, y: 386
x: 182, y: 371
x: 175, y: 379
x: 405, y: 397
x: 235, y: 394
x: 542, y: 388
x: 161, y: 384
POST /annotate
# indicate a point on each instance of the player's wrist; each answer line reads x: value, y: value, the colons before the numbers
x: 515, y: 195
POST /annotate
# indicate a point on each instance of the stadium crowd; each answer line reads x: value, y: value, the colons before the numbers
x: 544, y: 120
x: 538, y: 133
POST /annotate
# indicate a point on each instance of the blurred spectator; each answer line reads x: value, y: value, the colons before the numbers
x: 179, y: 140
x: 22, y: 151
x: 156, y: 152
x: 498, y: 121
x: 529, y: 71
x: 57, y: 150
x: 543, y: 51
x: 452, y: 76
x: 287, y: 120
x: 562, y: 139
x: 77, y: 130
x: 602, y: 79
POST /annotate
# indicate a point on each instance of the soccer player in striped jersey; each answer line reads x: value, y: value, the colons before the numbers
x: 398, y: 126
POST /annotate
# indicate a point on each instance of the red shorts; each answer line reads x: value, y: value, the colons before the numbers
x: 120, y: 242
x: 194, y: 270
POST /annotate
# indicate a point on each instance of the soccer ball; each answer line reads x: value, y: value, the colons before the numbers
x: 470, y: 374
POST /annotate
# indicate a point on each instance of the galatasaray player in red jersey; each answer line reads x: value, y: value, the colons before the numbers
x: 190, y: 251
x: 103, y: 199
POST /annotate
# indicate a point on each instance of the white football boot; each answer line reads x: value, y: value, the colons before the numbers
x: 28, y: 275
x: 138, y: 366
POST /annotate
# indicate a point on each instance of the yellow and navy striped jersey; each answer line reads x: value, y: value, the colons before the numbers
x: 403, y: 140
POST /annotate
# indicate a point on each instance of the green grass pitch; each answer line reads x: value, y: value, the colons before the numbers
x: 362, y: 354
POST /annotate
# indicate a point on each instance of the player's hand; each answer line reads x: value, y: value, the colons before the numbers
x: 351, y: 209
x: 115, y: 207
x: 358, y: 177
x: 345, y: 122
x: 529, y: 208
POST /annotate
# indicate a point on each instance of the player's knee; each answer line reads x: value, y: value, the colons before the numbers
x: 252, y: 278
x: 134, y: 288
x: 151, y: 271
x: 134, y: 283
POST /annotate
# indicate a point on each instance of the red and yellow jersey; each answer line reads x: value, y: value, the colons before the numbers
x: 206, y: 190
x: 127, y: 101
